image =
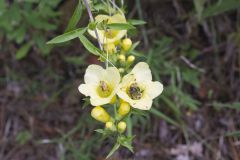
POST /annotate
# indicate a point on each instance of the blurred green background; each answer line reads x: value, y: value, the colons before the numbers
x: 192, y: 47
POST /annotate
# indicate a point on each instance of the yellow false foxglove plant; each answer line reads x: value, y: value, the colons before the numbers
x: 117, y: 91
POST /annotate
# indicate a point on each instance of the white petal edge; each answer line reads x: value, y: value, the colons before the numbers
x: 93, y: 74
x: 142, y: 72
x: 154, y: 89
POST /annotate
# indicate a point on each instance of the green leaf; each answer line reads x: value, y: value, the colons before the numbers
x: 221, y: 7
x: 75, y: 60
x: 171, y: 105
x: 126, y: 142
x: 102, y: 131
x: 199, y: 7
x: 233, y: 134
x: 163, y: 116
x: 89, y: 46
x: 75, y: 17
x: 67, y: 36
x: 114, y: 149
x: 136, y: 22
x: 23, y: 51
x: 23, y: 137
x: 120, y: 26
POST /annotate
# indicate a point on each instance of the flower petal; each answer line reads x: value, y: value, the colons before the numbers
x: 93, y: 74
x: 142, y: 72
x: 154, y: 89
x: 143, y: 104
x: 86, y: 89
x: 112, y: 75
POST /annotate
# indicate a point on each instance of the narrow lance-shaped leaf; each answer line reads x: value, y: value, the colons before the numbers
x: 136, y: 22
x: 115, y: 147
x: 221, y: 7
x: 120, y: 26
x: 23, y: 51
x: 89, y: 46
x: 67, y: 36
x: 75, y: 17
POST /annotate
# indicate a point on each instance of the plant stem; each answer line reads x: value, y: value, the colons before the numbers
x: 92, y: 20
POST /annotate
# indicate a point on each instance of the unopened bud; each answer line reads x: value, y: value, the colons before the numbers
x: 109, y: 125
x: 121, y: 126
x: 100, y: 114
x: 130, y: 59
x: 113, y: 100
x: 124, y: 109
x: 122, y: 58
x: 126, y: 44
x: 121, y: 70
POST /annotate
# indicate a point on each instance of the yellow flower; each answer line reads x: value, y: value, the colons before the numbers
x: 100, y: 114
x: 138, y: 89
x: 110, y: 35
x: 100, y: 84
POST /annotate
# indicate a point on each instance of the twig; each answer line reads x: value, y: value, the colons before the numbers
x: 92, y: 20
x: 193, y: 66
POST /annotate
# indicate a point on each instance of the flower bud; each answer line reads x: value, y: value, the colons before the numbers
x: 100, y: 114
x: 117, y: 42
x: 126, y: 44
x: 124, y: 109
x: 113, y: 100
x: 121, y: 70
x: 110, y: 48
x: 130, y: 59
x: 122, y: 58
x: 121, y: 126
x: 109, y: 125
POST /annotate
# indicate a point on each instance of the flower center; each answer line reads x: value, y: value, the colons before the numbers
x: 104, y: 90
x: 134, y: 91
x: 111, y: 33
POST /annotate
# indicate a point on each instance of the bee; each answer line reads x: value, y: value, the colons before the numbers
x: 135, y: 92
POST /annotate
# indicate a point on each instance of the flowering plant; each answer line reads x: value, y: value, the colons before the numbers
x: 117, y: 89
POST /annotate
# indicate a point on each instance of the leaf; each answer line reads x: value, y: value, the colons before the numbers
x: 102, y: 131
x: 221, y: 7
x: 67, y: 36
x: 89, y: 46
x: 75, y: 17
x: 75, y: 60
x: 120, y: 26
x: 163, y: 116
x: 114, y: 149
x: 233, y: 134
x: 171, y: 105
x: 136, y: 22
x: 23, y: 51
x: 126, y: 142
x: 199, y: 7
x: 23, y: 137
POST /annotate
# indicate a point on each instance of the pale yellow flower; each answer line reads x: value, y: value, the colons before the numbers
x: 138, y: 89
x: 100, y: 84
x: 110, y: 35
